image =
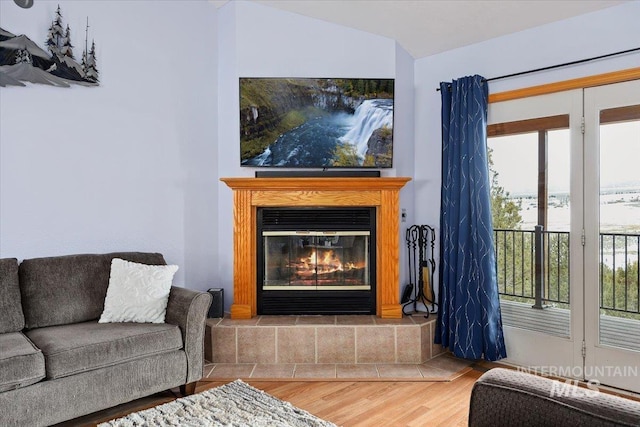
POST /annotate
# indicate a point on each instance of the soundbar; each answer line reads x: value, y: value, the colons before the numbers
x: 319, y: 174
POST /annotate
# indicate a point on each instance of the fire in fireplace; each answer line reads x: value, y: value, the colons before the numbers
x: 316, y: 261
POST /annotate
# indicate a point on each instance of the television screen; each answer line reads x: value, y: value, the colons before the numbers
x: 316, y: 123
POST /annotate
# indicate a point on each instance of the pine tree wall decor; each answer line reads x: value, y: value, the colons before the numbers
x: 22, y: 60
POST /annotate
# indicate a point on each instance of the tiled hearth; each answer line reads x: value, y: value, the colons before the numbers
x: 326, y: 347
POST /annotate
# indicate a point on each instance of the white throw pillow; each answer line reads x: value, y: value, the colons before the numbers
x: 137, y: 292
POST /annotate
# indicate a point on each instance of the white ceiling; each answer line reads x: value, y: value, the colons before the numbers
x: 427, y: 27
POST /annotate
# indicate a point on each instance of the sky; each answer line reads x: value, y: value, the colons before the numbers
x: 515, y: 159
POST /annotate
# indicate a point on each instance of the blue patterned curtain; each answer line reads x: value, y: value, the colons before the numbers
x: 469, y: 321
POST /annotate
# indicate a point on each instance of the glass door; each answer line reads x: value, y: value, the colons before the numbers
x: 612, y: 229
x: 316, y: 260
x: 535, y: 152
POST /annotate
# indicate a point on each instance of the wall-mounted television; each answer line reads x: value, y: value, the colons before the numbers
x: 316, y: 122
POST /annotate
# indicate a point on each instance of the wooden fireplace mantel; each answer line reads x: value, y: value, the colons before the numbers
x: 251, y: 193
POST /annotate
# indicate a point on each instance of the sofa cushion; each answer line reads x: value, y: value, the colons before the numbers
x: 21, y: 363
x: 69, y: 289
x: 11, y: 319
x: 81, y: 347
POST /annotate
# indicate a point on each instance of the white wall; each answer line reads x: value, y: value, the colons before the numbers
x: 258, y: 41
x: 404, y: 149
x: 126, y: 166
x: 599, y: 33
x: 134, y: 164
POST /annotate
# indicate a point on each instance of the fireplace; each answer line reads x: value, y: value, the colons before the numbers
x: 251, y: 194
x: 316, y: 260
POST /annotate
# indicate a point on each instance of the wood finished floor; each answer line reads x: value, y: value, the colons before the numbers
x: 346, y: 403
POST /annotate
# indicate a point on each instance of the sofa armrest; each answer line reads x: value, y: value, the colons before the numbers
x: 508, y: 397
x: 188, y: 309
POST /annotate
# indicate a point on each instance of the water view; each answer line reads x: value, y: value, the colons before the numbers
x: 516, y: 178
x: 315, y: 141
x: 316, y: 123
x: 619, y: 211
x: 619, y: 214
x: 618, y: 175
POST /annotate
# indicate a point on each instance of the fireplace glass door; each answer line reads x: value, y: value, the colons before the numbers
x: 316, y: 260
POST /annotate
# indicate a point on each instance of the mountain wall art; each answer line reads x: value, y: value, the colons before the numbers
x: 22, y: 60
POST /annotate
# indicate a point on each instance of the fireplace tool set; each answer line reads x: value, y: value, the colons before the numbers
x: 420, y: 241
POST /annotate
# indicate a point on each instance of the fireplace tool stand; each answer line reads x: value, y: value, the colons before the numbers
x: 421, y: 241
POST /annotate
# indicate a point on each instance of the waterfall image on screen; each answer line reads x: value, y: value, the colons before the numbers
x: 316, y: 123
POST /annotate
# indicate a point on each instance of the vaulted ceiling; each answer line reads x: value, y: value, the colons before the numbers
x: 428, y: 27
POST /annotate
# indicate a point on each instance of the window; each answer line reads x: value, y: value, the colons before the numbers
x: 530, y: 177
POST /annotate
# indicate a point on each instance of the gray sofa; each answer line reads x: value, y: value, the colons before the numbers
x: 58, y: 363
x: 505, y: 397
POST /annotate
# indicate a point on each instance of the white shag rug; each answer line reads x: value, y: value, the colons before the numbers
x: 231, y: 405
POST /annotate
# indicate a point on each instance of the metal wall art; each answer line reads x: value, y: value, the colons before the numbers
x: 22, y: 60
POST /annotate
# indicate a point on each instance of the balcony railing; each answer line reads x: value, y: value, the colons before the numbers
x: 534, y: 266
x: 619, y: 272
